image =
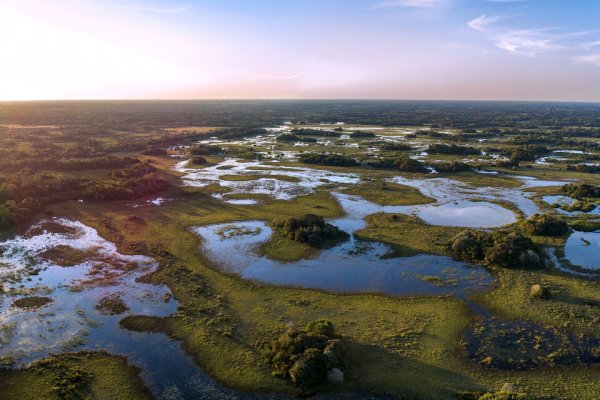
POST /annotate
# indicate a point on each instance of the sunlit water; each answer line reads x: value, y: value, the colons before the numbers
x: 72, y: 321
x: 456, y: 203
x: 583, y: 249
x: 354, y: 266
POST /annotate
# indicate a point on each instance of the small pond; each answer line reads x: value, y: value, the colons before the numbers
x: 583, y: 249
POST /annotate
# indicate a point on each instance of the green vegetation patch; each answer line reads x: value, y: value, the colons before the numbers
x: 67, y: 256
x: 585, y: 225
x: 544, y: 225
x: 96, y: 375
x: 309, y: 357
x: 112, y: 304
x: 408, y: 234
x: 499, y: 249
x: 388, y: 194
x: 310, y: 229
x: 32, y: 302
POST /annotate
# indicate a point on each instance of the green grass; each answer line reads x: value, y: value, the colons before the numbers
x: 387, y: 193
x: 408, y: 234
x: 111, y: 379
x: 409, y: 347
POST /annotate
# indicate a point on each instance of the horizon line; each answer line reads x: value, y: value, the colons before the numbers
x: 298, y: 99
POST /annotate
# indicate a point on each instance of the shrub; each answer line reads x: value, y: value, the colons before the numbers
x: 309, y: 368
x: 579, y: 205
x: 310, y: 229
x: 513, y: 250
x: 452, y: 149
x: 471, y: 245
x: 320, y: 327
x: 198, y: 160
x: 545, y: 225
x: 581, y: 190
x: 454, y: 166
x: 585, y: 225
x: 361, y: 134
x: 500, y: 249
x: 338, y: 160
x: 403, y: 164
x: 307, y: 358
x: 395, y: 147
x: 288, y: 137
x: 204, y: 150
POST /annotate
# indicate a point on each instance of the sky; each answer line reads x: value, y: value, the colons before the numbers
x: 300, y: 49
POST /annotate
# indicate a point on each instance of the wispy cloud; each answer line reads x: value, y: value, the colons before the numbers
x: 480, y: 23
x: 590, y: 45
x: 593, y: 59
x: 411, y: 3
x: 528, y: 42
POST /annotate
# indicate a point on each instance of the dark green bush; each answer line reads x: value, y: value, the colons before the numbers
x: 361, y: 134
x: 454, y: 166
x: 305, y: 357
x: 513, y: 250
x: 310, y: 229
x: 320, y: 327
x: 198, y: 160
x: 500, y: 249
x: 452, y: 149
x: 581, y: 190
x: 471, y: 245
x: 338, y: 160
x: 544, y: 225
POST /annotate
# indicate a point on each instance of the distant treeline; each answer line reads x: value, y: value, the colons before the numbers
x: 143, y: 116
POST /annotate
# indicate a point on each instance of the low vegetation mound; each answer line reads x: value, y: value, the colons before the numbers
x: 578, y: 206
x: 452, y: 149
x: 405, y: 164
x: 455, y: 166
x: 310, y: 229
x: 315, y: 132
x: 544, y: 225
x: 389, y: 146
x: 204, y: 150
x: 308, y: 357
x: 289, y: 137
x: 498, y: 249
x: 338, y: 160
x: 581, y: 190
x: 583, y: 225
x: 31, y: 302
x: 361, y: 134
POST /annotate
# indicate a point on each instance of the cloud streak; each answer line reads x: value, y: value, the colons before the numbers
x: 593, y: 59
x: 481, y: 23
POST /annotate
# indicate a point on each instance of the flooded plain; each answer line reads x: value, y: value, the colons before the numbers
x: 354, y: 266
x: 66, y: 289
